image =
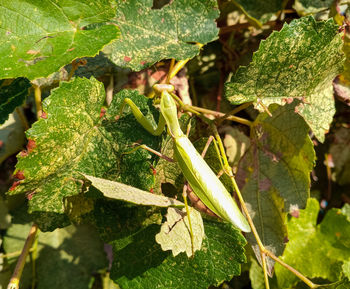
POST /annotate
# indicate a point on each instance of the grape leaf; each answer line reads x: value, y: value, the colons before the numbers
x: 291, y: 64
x: 140, y: 262
x: 274, y: 174
x: 317, y: 251
x: 67, y: 258
x: 120, y: 191
x: 235, y: 143
x: 74, y: 138
x: 306, y: 7
x: 12, y: 94
x: 150, y: 35
x: 175, y: 233
x: 55, y: 33
x: 340, y: 152
x: 259, y: 11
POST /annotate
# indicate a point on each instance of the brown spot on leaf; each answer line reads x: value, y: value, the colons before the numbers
x: 31, y: 145
x: 30, y: 195
x: 154, y: 171
x: 103, y: 112
x: 288, y: 100
x: 338, y: 234
x: 44, y: 115
x: 127, y: 58
x: 70, y: 49
x: 20, y: 175
x: 14, y: 185
x: 264, y: 185
x: 159, y: 75
x: 23, y: 153
x: 295, y: 213
x: 33, y: 52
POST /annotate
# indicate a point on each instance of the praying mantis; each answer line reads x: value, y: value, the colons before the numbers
x: 204, y: 183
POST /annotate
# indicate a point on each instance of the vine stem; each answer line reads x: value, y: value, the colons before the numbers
x: 16, y: 276
x: 266, y: 277
x: 219, y: 114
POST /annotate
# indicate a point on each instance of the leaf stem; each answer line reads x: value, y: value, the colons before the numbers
x: 16, y: 276
x: 23, y: 118
x: 37, y: 97
x: 174, y: 69
x: 171, y: 67
x: 234, y: 111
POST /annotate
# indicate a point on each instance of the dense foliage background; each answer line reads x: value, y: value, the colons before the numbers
x: 65, y: 68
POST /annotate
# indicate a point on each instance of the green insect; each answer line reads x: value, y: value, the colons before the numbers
x: 204, y: 183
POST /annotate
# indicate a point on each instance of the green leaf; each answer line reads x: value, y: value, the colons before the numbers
x: 175, y: 233
x: 346, y: 268
x: 274, y: 174
x: 236, y: 144
x: 67, y: 258
x: 119, y: 191
x: 74, y: 138
x: 12, y: 136
x: 259, y: 11
x: 150, y: 35
x: 12, y: 94
x: 54, y: 34
x: 317, y: 251
x: 339, y: 150
x: 291, y: 64
x: 141, y: 263
x: 306, y: 7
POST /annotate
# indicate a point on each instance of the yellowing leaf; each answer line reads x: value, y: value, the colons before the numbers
x: 175, y: 234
